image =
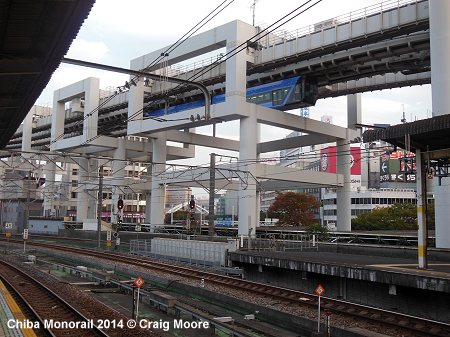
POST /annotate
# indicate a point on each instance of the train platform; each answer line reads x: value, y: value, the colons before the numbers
x: 383, y: 277
x: 10, y: 311
x: 384, y: 267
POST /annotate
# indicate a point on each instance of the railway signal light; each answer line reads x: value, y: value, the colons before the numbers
x: 120, y: 204
x: 192, y: 203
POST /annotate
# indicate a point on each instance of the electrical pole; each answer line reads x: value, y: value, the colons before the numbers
x: 99, y: 206
x: 212, y: 188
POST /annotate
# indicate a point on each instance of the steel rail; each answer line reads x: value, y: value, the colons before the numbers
x: 412, y: 323
x: 97, y: 331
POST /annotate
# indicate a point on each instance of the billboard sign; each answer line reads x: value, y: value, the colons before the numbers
x: 328, y: 160
x: 398, y: 167
x: 328, y: 163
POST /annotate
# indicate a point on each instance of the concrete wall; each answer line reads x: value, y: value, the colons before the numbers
x: 45, y: 226
x: 193, y: 250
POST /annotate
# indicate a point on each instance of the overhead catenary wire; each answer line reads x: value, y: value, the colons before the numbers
x: 129, y: 186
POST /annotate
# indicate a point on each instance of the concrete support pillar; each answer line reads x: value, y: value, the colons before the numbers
x: 440, y: 49
x: 158, y: 195
x: 421, y: 211
x: 258, y: 193
x: 50, y: 188
x: 442, y: 213
x: 236, y: 68
x: 64, y: 194
x: 86, y: 201
x: 440, y: 88
x: 148, y: 202
x: 58, y: 116
x: 343, y: 163
x: 92, y: 175
x: 91, y: 102
x: 26, y: 132
x: 82, y: 196
x: 136, y: 101
x: 247, y: 191
x: 118, y: 174
x: 353, y: 111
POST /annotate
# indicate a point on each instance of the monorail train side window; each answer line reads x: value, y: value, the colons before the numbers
x: 260, y: 98
x: 278, y: 96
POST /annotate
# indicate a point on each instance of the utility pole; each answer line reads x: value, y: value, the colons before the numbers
x: 212, y: 188
x: 99, y: 206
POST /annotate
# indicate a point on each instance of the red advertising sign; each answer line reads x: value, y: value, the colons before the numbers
x: 328, y: 161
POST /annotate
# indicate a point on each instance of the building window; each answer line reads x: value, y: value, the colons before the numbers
x: 74, y: 172
x: 74, y: 183
x: 73, y: 195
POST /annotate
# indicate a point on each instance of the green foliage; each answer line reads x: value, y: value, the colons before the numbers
x: 294, y: 209
x: 321, y: 231
x: 395, y: 217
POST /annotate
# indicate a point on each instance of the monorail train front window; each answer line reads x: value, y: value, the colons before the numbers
x: 311, y: 92
x: 297, y: 94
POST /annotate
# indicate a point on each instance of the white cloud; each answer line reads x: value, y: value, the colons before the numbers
x: 92, y: 51
x: 149, y: 19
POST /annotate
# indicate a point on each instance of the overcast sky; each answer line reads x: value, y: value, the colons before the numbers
x: 117, y: 31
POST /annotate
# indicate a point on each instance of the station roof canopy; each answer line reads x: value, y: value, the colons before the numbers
x: 426, y: 135
x: 34, y: 36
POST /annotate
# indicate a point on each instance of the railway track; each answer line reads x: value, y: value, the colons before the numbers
x: 415, y: 325
x: 53, y: 315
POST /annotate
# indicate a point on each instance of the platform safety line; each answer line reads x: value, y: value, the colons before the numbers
x: 15, y: 310
x: 5, y: 315
x: 395, y: 265
x: 413, y: 266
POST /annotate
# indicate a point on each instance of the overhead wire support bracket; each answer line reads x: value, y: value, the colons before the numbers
x: 139, y: 73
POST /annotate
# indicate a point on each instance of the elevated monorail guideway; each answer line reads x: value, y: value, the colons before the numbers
x: 142, y: 73
x: 379, y: 47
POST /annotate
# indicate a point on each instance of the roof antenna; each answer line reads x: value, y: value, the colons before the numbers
x: 403, y: 120
x: 253, y: 7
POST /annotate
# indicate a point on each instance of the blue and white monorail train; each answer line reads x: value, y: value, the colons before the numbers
x: 283, y: 95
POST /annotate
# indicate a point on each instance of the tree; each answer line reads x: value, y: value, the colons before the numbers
x: 319, y: 230
x: 294, y: 209
x: 395, y: 217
